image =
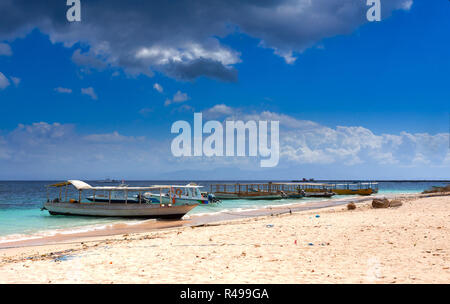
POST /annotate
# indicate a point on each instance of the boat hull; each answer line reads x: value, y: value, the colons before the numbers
x: 178, y: 200
x: 294, y: 195
x: 354, y: 191
x: 368, y: 191
x: 247, y: 196
x: 118, y: 210
x: 319, y: 194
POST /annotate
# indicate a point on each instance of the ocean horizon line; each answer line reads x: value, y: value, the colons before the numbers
x: 237, y: 180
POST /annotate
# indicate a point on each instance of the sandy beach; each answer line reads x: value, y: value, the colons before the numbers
x: 406, y: 244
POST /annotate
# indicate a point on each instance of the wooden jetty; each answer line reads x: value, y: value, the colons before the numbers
x: 279, y: 190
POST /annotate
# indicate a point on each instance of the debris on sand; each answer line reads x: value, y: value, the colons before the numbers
x: 395, y: 203
x: 385, y: 203
x: 380, y: 203
x: 351, y: 206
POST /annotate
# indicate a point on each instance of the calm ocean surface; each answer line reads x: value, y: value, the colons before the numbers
x: 21, y: 201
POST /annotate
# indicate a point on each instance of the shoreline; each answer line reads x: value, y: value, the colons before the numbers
x: 406, y: 244
x: 57, y: 236
x: 63, y: 235
x: 215, y: 218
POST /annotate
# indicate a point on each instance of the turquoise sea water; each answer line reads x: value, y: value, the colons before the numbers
x: 20, y: 203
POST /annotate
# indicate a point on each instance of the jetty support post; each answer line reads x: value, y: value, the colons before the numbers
x: 109, y: 196
x: 65, y: 199
x: 126, y: 196
x: 140, y: 195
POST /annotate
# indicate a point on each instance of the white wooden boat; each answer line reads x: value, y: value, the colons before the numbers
x: 141, y: 208
x: 188, y: 194
x: 262, y: 191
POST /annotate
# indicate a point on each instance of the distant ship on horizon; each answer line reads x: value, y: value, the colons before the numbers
x: 303, y: 180
x: 108, y: 180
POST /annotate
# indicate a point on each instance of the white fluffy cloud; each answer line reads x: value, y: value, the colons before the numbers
x: 178, y: 97
x: 307, y: 142
x: 145, y: 111
x: 5, y: 49
x: 218, y: 111
x: 49, y: 150
x: 89, y: 92
x: 158, y: 87
x: 4, y: 82
x: 113, y: 137
x: 354, y: 145
x: 63, y: 90
x: 16, y: 81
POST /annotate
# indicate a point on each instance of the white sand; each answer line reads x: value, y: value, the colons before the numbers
x: 408, y: 244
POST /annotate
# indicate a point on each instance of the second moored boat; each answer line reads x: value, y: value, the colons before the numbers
x: 190, y: 193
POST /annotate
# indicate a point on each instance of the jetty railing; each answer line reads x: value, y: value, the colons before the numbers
x: 291, y: 187
x: 239, y: 188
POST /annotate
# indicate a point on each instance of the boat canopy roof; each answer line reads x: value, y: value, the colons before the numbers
x: 176, y: 186
x: 357, y: 183
x: 323, y: 184
x: 80, y: 185
x: 301, y: 184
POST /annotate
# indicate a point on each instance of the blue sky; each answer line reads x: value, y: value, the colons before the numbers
x: 388, y: 78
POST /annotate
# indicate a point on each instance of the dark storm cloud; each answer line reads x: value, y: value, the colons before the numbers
x: 199, y: 67
x: 181, y: 38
